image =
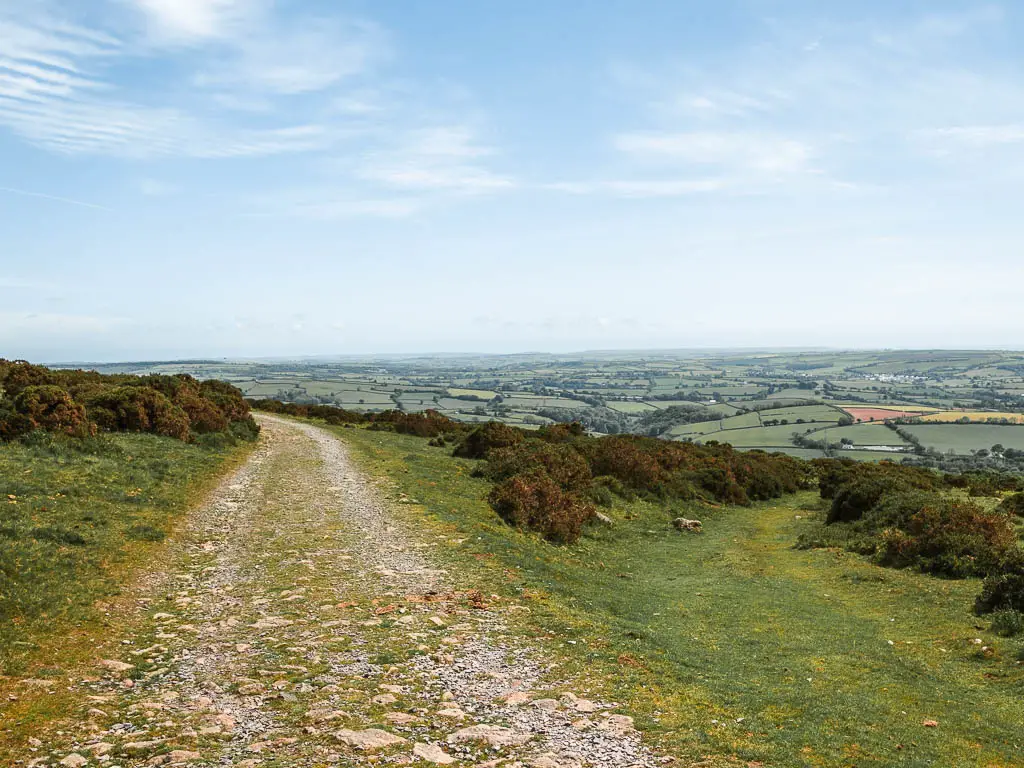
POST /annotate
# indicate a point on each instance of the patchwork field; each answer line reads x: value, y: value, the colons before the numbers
x: 964, y: 438
x: 753, y: 399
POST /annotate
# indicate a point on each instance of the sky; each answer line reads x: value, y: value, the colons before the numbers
x: 238, y: 178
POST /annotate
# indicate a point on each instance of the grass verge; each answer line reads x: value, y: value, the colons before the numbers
x: 733, y: 646
x: 78, y: 519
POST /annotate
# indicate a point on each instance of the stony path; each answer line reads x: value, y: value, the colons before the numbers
x: 303, y: 626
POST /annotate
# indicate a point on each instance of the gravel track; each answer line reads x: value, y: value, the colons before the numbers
x: 304, y: 625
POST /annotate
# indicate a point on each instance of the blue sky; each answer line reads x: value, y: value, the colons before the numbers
x: 183, y: 178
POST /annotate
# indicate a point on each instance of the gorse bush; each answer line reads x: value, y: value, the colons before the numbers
x: 548, y: 480
x: 81, y: 403
x: 1001, y: 592
x: 905, y: 518
x: 138, y: 409
x: 48, y: 407
x: 1013, y: 504
x: 488, y: 437
x: 533, y: 500
x: 949, y: 537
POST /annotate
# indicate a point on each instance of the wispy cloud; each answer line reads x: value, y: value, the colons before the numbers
x: 61, y: 86
x: 816, y: 104
x: 186, y: 21
x: 642, y: 188
x: 307, y: 56
x: 973, y: 136
x: 55, y: 198
x: 441, y: 158
x: 746, y: 151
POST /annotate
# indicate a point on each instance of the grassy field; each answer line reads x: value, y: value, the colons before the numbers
x: 735, y: 648
x: 627, y: 406
x: 77, y: 518
x: 864, y: 434
x: 962, y: 438
x: 979, y: 416
x: 759, y: 437
x: 979, y: 384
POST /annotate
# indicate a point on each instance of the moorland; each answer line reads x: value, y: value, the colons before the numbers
x: 844, y: 602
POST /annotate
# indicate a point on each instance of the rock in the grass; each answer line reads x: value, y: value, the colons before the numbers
x: 548, y: 705
x: 619, y: 725
x: 368, y: 740
x: 494, y: 735
x: 452, y: 712
x: 117, y: 667
x: 517, y: 697
x: 141, y: 746
x: 432, y: 754
x: 384, y: 699
x: 74, y: 760
x: 683, y: 524
x: 545, y: 761
x: 184, y: 756
x: 585, y: 705
x: 102, y: 748
x: 326, y: 715
x: 402, y: 718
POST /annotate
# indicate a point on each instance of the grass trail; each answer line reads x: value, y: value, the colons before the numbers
x: 735, y: 644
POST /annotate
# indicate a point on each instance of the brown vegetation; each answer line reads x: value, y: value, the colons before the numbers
x: 81, y: 403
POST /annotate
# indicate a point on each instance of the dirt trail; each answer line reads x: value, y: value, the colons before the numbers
x: 303, y: 625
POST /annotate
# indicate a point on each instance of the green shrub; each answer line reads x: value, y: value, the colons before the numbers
x: 560, y: 462
x: 536, y: 502
x: 13, y: 424
x: 1008, y: 623
x: 50, y: 407
x: 1003, y: 591
x: 949, y: 537
x: 138, y: 409
x: 1013, y: 504
x: 486, y: 438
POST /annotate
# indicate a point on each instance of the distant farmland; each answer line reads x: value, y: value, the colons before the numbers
x: 767, y: 401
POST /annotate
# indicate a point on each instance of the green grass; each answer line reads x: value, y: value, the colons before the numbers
x: 630, y: 407
x: 734, y: 644
x: 760, y: 437
x: 962, y: 438
x: 806, y: 412
x: 863, y: 434
x: 76, y: 516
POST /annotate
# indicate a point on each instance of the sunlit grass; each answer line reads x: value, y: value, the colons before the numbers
x: 733, y: 643
x: 76, y: 517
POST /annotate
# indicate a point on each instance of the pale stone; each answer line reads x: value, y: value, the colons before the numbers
x: 369, y: 740
x: 432, y: 754
x: 184, y: 756
x: 495, y: 735
x: 117, y: 667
